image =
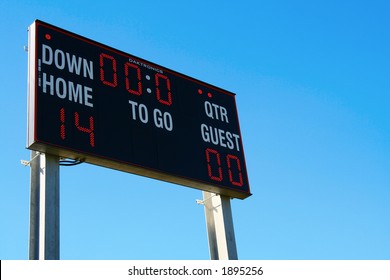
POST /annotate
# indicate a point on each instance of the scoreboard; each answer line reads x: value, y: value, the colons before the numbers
x: 94, y: 103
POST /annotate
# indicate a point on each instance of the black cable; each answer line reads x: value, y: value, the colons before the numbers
x: 70, y: 162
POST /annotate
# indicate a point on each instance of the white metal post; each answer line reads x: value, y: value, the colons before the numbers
x: 220, y: 230
x: 44, y: 208
x: 34, y: 206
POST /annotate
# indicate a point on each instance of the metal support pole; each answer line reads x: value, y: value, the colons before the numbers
x: 34, y: 207
x: 220, y: 230
x: 44, y: 241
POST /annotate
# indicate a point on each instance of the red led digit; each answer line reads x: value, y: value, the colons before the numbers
x: 213, y: 153
x: 114, y: 80
x: 238, y: 182
x: 89, y: 130
x: 139, y: 85
x: 62, y: 127
x: 162, y: 79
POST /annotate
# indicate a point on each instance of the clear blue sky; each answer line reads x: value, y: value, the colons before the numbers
x: 312, y: 80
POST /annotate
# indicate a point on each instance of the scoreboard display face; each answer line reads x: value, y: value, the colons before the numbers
x: 94, y: 103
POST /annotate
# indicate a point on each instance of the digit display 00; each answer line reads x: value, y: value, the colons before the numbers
x: 94, y: 103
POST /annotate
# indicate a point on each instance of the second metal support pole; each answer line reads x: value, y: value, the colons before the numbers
x: 220, y: 230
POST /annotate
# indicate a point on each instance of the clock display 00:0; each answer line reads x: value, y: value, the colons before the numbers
x: 113, y: 109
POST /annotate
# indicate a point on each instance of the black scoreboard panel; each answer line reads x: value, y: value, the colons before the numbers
x: 92, y: 102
